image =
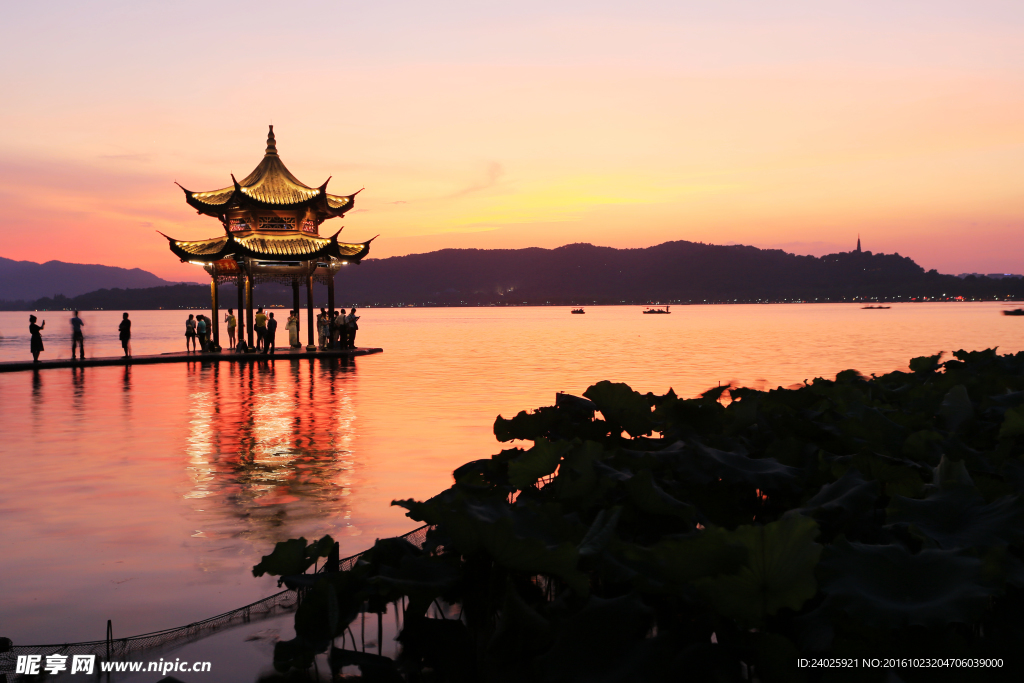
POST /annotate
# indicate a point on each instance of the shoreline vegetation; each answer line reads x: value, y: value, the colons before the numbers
x: 674, y: 273
x: 636, y: 537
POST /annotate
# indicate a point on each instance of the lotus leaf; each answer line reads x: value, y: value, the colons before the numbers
x: 702, y: 465
x: 531, y: 555
x: 1013, y: 423
x: 925, y: 444
x: 956, y: 407
x: 850, y: 495
x: 539, y: 461
x: 959, y: 518
x: 874, y: 427
x: 889, y: 587
x: 778, y: 572
x: 578, y: 480
x: 484, y: 474
x: 600, y: 532
x: 293, y: 556
x: 951, y: 473
x: 897, y: 476
x: 678, y: 562
x: 417, y: 577
x: 924, y: 364
x: 526, y: 425
x: 622, y: 406
x: 651, y: 498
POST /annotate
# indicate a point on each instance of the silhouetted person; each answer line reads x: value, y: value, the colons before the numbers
x: 77, y: 338
x: 261, y: 329
x: 351, y: 326
x: 293, y: 329
x: 232, y: 324
x: 202, y: 329
x: 270, y: 341
x: 337, y: 321
x: 323, y: 328
x: 36, y: 344
x: 190, y: 332
x: 125, y: 334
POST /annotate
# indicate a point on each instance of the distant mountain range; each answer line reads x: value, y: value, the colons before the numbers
x: 673, y: 272
x: 576, y: 274
x: 28, y: 281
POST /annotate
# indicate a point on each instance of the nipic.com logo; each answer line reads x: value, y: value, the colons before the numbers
x: 55, y: 664
x: 86, y: 664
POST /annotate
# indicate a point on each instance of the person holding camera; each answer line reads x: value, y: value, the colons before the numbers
x: 36, y: 345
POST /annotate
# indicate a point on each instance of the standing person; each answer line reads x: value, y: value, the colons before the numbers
x: 232, y: 324
x: 77, y: 339
x: 190, y: 332
x: 125, y: 333
x: 36, y: 344
x: 270, y: 342
x: 261, y: 329
x: 351, y: 326
x: 201, y: 330
x: 293, y: 330
x: 336, y: 323
x: 322, y: 329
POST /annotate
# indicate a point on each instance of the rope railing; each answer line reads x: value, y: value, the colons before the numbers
x: 112, y: 648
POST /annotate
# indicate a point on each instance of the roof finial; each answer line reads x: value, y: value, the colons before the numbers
x: 271, y: 142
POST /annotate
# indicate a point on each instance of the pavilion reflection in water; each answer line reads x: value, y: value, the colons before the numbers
x: 271, y: 449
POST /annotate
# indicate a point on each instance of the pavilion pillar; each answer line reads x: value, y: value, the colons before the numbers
x: 249, y: 321
x: 241, y: 312
x: 311, y: 345
x: 330, y: 297
x: 214, y: 299
x: 297, y: 307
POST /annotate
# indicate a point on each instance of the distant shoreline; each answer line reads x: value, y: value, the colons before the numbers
x: 338, y: 306
x: 673, y: 273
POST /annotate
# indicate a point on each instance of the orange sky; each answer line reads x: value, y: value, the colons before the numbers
x: 534, y: 124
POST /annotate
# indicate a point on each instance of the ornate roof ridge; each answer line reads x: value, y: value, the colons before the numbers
x: 271, y: 185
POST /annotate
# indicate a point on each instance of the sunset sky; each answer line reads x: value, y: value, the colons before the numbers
x: 783, y: 124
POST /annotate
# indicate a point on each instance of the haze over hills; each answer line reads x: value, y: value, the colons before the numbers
x: 582, y: 274
x: 28, y: 281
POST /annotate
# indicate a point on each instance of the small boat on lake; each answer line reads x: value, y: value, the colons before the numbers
x: 662, y: 311
x: 875, y: 307
x: 1016, y: 311
x: 577, y: 311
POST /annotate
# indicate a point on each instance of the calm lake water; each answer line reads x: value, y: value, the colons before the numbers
x: 144, y: 495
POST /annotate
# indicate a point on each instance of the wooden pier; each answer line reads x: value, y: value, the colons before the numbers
x: 182, y: 357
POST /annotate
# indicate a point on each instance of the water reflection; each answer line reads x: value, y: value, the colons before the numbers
x: 270, y: 445
x: 38, y: 408
x: 78, y: 393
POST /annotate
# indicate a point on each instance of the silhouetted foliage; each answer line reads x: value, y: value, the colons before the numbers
x: 661, y: 537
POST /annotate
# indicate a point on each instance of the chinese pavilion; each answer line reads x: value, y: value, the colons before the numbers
x: 271, y: 224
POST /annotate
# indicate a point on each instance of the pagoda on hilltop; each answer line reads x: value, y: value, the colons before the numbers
x: 271, y: 224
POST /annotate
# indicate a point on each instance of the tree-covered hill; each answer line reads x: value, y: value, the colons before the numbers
x: 581, y: 274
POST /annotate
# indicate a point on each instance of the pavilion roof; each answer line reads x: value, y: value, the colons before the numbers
x: 270, y: 185
x: 290, y: 247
